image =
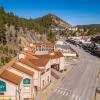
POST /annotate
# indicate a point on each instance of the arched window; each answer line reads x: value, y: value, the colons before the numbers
x: 43, y: 83
x: 48, y: 79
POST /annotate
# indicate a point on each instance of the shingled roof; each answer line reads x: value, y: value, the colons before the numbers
x: 39, y: 62
x: 11, y: 77
x: 30, y: 64
x: 23, y: 69
x: 52, y: 55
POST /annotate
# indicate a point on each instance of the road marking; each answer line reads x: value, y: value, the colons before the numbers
x: 58, y: 91
x: 73, y: 95
x: 79, y: 98
x: 66, y: 94
x: 61, y: 92
x: 55, y: 90
x: 76, y: 97
x: 62, y: 88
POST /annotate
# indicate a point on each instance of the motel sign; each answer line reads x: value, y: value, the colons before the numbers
x: 2, y: 86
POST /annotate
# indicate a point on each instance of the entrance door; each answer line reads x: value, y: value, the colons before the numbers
x: 55, y: 66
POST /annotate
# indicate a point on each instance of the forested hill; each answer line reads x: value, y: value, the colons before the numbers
x: 51, y: 21
x: 11, y: 19
x: 92, y: 29
x: 41, y: 24
x: 16, y: 32
x: 89, y: 26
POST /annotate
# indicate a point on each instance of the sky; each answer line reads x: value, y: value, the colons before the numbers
x: 75, y: 12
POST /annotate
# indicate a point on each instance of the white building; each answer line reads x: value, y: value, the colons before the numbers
x: 40, y: 67
x: 9, y: 86
x: 40, y: 48
x: 27, y: 84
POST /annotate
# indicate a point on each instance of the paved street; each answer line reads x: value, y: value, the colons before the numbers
x: 80, y: 84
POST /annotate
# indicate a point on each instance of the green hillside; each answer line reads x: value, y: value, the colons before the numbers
x: 92, y: 29
x: 16, y: 31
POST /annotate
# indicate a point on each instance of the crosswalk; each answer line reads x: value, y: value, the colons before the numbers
x: 66, y: 93
x: 62, y: 91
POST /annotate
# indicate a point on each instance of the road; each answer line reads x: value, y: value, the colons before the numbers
x: 80, y: 84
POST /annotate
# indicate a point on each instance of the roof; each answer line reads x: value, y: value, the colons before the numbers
x: 30, y: 55
x: 59, y: 54
x: 36, y: 61
x: 60, y: 42
x: 43, y: 43
x: 11, y: 77
x: 30, y: 64
x: 39, y: 62
x: 52, y: 55
x: 28, y: 49
x: 22, y: 69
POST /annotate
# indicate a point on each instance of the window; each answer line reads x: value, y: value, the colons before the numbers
x: 27, y: 99
x: 1, y: 93
x: 43, y: 83
x: 47, y: 70
x: 26, y: 87
x: 42, y: 73
x: 48, y: 79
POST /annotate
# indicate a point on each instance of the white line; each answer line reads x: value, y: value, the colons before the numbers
x: 55, y: 90
x: 58, y: 91
x: 79, y: 98
x: 76, y: 97
x: 61, y: 92
x: 64, y: 93
x: 73, y: 95
x: 66, y: 89
x: 62, y: 88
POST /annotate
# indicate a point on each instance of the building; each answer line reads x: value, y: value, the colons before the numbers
x: 27, y: 84
x: 73, y: 28
x: 40, y: 67
x: 9, y: 86
x: 40, y: 48
x: 56, y: 60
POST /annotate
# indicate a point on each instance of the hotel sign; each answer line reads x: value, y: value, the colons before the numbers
x: 26, y: 81
x: 2, y: 86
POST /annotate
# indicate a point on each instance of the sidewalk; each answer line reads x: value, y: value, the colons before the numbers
x: 97, y: 96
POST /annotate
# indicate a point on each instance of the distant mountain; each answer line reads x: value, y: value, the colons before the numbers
x: 89, y: 26
x: 52, y: 21
x: 92, y: 29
